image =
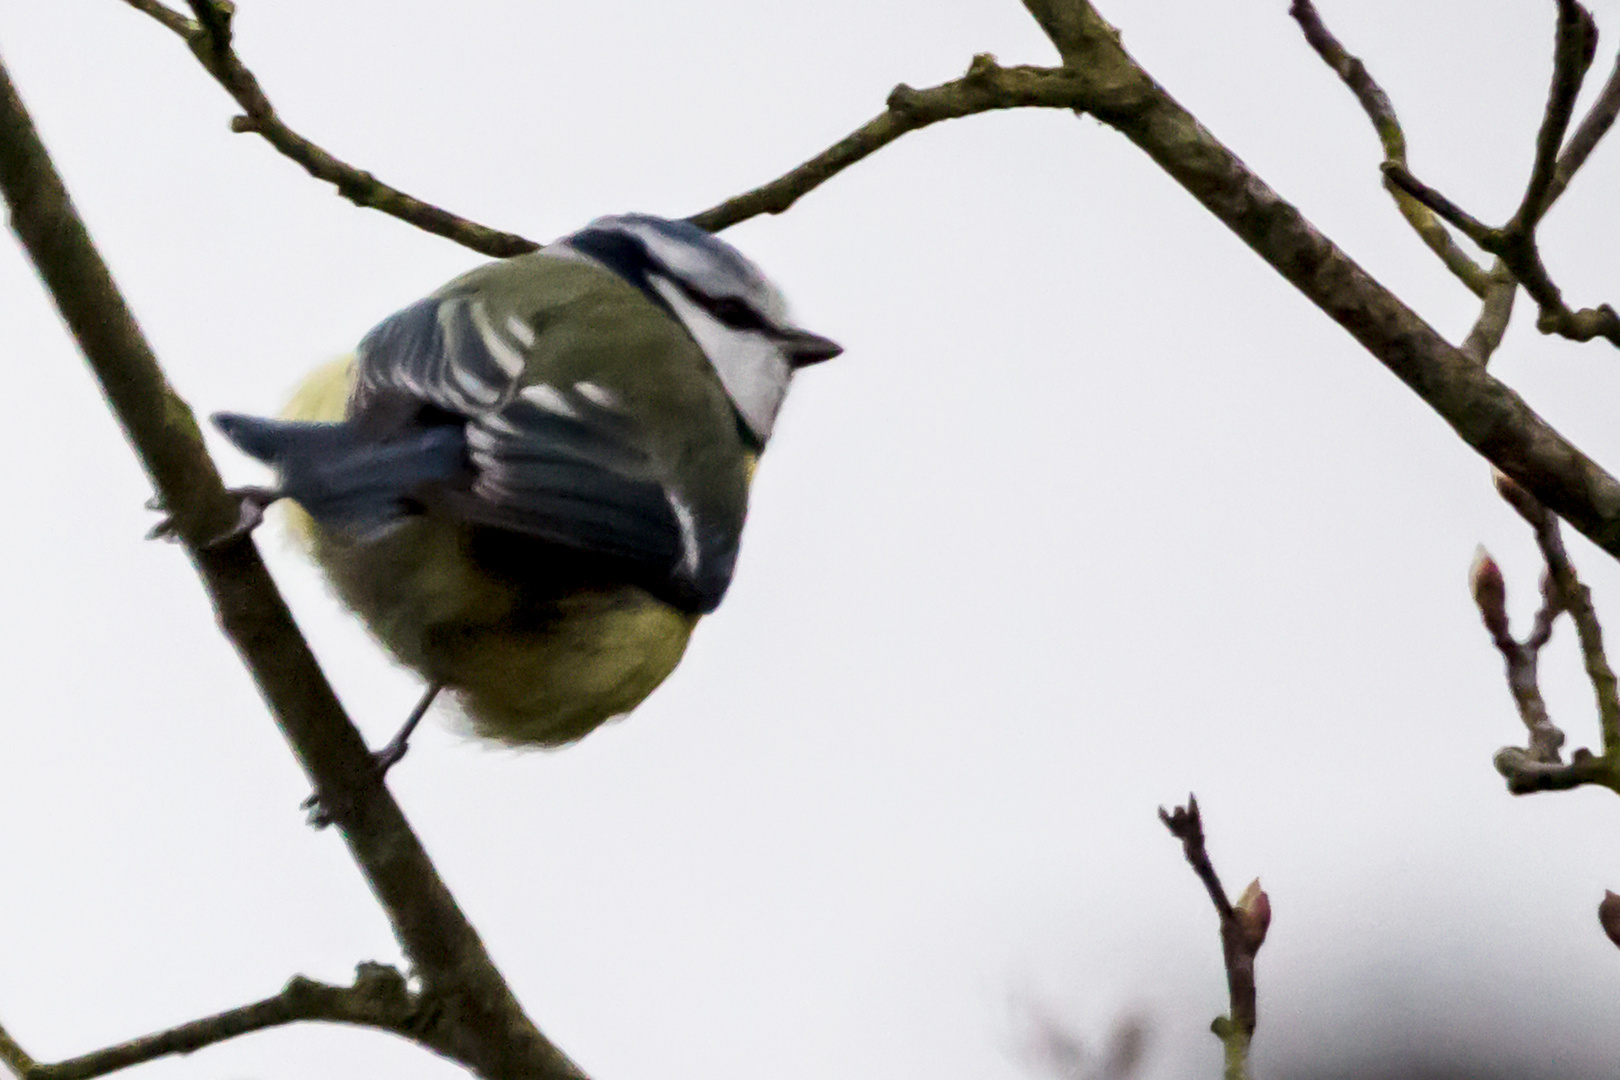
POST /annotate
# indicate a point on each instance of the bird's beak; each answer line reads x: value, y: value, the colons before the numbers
x: 805, y: 348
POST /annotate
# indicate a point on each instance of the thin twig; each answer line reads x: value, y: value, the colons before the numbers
x: 1493, y: 320
x: 1243, y: 931
x: 1381, y: 111
x: 1526, y: 776
x: 1599, y: 118
x: 1576, y: 45
x: 209, y: 37
x: 1583, y: 325
x: 1494, y: 315
x: 1515, y: 243
x: 1577, y: 37
x: 1470, y: 226
x: 15, y: 1057
x: 1538, y: 767
x: 1519, y: 252
x: 1573, y: 49
x: 1575, y: 598
x: 1497, y: 286
x: 1187, y: 825
x: 1484, y: 412
x: 378, y: 999
x: 987, y: 86
x: 165, y: 15
x: 1520, y: 658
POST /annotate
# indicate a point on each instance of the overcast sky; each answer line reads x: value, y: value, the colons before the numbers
x: 1094, y: 510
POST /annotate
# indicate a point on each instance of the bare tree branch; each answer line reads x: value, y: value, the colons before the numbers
x: 1187, y: 826
x: 1379, y: 109
x: 478, y: 1019
x: 986, y: 87
x: 1521, y: 658
x: 1588, y: 133
x: 378, y: 999
x: 1538, y: 767
x: 1494, y: 315
x: 1574, y: 597
x: 1515, y: 243
x: 1470, y: 226
x: 209, y: 37
x: 1486, y: 414
x: 15, y: 1057
x: 1583, y: 325
x: 1573, y: 49
x: 165, y: 15
x: 1243, y: 931
x: 1497, y: 286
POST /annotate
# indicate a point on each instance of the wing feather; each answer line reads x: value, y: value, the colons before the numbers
x: 565, y: 464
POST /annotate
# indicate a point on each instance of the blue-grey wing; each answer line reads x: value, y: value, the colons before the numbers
x: 447, y: 352
x: 555, y: 465
x: 564, y: 464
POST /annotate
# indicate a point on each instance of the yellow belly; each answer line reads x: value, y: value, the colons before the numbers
x: 592, y: 655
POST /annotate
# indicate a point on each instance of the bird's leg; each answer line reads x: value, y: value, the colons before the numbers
x: 389, y: 756
x: 252, y: 502
x: 383, y: 759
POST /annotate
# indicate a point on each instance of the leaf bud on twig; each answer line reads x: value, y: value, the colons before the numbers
x: 1253, y: 915
x: 1490, y: 592
x: 1609, y: 916
x: 1527, y: 505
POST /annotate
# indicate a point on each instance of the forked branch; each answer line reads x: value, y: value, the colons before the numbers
x: 1538, y: 766
x: 1515, y: 242
x: 209, y: 37
x: 378, y: 999
x: 1381, y: 111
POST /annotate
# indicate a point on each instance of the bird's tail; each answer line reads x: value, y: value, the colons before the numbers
x: 351, y: 484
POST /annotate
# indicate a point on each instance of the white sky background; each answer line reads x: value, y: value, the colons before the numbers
x: 1094, y: 510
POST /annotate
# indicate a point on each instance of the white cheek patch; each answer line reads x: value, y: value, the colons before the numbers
x: 751, y: 366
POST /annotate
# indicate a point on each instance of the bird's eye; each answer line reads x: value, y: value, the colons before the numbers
x: 735, y: 314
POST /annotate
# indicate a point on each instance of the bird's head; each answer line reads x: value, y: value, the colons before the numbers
x: 735, y: 314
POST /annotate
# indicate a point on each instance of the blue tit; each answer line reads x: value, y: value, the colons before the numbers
x: 531, y: 484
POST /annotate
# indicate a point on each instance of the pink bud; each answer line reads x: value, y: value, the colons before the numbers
x: 1609, y: 916
x: 1253, y: 912
x: 1490, y: 592
x: 1527, y: 505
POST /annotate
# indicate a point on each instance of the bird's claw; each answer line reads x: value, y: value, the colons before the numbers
x: 251, y: 505
x: 382, y: 760
x: 314, y: 812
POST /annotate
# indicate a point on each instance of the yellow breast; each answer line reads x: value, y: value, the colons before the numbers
x: 597, y: 654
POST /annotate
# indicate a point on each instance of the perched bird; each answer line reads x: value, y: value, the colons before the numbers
x: 531, y: 484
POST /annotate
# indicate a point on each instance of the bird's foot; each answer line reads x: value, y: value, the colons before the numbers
x: 315, y: 811
x: 381, y: 760
x: 251, y: 501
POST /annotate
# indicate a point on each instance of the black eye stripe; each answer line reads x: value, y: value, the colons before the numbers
x: 629, y: 258
x: 624, y: 255
x: 734, y: 313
